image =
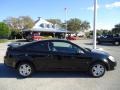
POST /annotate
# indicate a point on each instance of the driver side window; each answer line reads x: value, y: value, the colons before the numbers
x: 64, y: 47
x: 78, y: 50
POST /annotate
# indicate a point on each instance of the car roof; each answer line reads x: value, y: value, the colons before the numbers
x: 47, y: 40
x: 61, y: 40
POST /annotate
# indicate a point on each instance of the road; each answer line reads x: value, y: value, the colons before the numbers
x: 9, y: 80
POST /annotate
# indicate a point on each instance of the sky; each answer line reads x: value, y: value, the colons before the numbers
x: 108, y: 11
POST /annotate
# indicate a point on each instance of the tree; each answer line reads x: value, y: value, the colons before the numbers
x: 99, y: 32
x: 84, y: 25
x: 18, y: 24
x: 103, y: 32
x: 25, y: 22
x: 22, y: 22
x: 116, y: 29
x: 74, y: 24
x: 12, y: 22
x: 56, y: 22
x: 4, y: 30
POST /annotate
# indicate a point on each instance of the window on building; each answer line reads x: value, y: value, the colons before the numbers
x: 53, y: 26
x: 48, y: 25
x: 42, y: 25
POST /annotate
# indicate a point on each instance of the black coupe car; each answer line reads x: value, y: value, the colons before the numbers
x: 57, y: 55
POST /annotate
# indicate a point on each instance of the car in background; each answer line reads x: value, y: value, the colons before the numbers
x: 57, y: 55
x: 71, y: 38
x: 114, y: 39
x: 34, y: 37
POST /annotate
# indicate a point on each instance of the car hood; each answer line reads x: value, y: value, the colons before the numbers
x: 99, y: 53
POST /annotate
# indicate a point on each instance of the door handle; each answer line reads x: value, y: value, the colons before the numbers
x: 48, y: 55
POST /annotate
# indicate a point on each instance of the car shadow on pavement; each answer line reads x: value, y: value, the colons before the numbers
x: 7, y: 72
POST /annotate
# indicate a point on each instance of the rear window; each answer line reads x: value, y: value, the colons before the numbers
x: 42, y: 46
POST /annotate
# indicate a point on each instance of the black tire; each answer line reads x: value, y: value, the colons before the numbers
x: 116, y: 43
x: 98, y: 42
x: 100, y: 70
x: 25, y: 69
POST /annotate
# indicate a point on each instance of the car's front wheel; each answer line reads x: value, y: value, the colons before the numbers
x: 25, y: 69
x: 97, y: 70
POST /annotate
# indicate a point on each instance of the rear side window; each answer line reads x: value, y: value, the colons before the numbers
x: 42, y: 46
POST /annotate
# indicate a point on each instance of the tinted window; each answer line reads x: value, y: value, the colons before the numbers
x: 64, y: 47
x: 61, y: 44
x: 39, y: 47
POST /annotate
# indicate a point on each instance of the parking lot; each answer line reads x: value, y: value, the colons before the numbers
x: 9, y: 80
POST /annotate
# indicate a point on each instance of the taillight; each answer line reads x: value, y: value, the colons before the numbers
x: 8, y: 49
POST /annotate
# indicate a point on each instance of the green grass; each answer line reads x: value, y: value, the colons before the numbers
x: 3, y: 40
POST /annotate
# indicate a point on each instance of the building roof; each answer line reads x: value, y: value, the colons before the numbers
x: 43, y: 25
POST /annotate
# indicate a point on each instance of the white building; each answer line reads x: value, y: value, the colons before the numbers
x: 42, y: 25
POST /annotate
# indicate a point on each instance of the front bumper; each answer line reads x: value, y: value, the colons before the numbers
x: 112, y: 65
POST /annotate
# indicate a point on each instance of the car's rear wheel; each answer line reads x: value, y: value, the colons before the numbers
x: 116, y: 43
x: 97, y: 70
x: 25, y: 69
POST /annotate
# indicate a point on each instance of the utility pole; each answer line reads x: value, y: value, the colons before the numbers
x: 94, y: 24
x: 65, y: 22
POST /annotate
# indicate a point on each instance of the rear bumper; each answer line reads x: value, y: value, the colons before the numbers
x: 9, y: 62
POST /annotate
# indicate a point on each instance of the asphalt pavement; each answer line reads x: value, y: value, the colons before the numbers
x: 9, y: 79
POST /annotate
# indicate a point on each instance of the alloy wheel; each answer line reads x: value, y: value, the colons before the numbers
x: 25, y: 69
x: 98, y: 70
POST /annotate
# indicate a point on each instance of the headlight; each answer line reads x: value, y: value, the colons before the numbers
x: 111, y: 58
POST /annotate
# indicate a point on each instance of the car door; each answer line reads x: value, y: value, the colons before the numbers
x: 107, y: 39
x: 69, y: 56
x: 40, y: 55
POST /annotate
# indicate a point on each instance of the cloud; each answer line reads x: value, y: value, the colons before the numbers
x: 113, y: 5
x: 92, y: 8
x: 102, y: 25
x: 109, y: 6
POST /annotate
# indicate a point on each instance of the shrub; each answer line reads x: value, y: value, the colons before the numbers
x: 3, y: 40
x: 4, y: 30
